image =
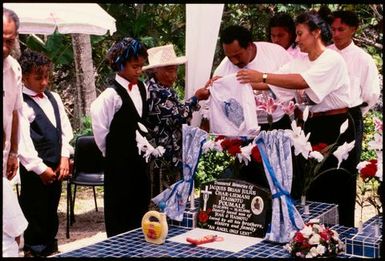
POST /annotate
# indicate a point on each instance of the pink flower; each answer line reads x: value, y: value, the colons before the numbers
x: 289, y: 108
x: 268, y: 106
x: 378, y: 124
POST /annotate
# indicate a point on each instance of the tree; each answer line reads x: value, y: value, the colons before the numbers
x: 85, y: 77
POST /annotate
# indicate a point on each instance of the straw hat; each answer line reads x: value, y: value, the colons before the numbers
x: 163, y: 56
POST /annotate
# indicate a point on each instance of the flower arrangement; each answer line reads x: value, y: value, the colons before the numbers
x: 371, y: 173
x: 316, y: 155
x: 315, y: 240
x: 240, y: 149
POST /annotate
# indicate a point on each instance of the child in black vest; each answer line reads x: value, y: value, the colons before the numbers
x: 115, y: 115
x: 45, y: 132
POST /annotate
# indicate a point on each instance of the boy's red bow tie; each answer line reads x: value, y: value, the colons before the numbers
x: 38, y: 95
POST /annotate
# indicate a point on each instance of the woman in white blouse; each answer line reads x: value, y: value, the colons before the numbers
x: 322, y: 79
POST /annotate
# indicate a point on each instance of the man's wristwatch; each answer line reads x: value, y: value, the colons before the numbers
x: 264, y: 77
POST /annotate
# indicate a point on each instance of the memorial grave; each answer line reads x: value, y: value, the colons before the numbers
x: 238, y: 212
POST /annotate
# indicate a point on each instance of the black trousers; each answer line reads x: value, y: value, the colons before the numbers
x: 39, y: 203
x: 356, y: 115
x: 283, y: 123
x: 335, y: 186
x: 126, y: 197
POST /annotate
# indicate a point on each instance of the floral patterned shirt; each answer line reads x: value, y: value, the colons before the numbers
x: 165, y: 118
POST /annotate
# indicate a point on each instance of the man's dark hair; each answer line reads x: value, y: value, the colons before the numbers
x: 282, y: 20
x: 33, y: 60
x: 123, y: 51
x: 347, y: 17
x: 13, y: 16
x: 236, y: 32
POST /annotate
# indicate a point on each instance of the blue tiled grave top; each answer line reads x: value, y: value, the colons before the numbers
x: 132, y: 244
x: 365, y: 243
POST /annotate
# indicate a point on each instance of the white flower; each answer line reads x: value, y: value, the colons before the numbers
x: 143, y: 146
x: 342, y: 152
x: 302, y: 146
x: 313, y: 251
x: 208, y: 145
x: 376, y: 144
x: 317, y: 227
x: 305, y: 113
x: 321, y: 249
x: 142, y: 127
x: 314, y: 240
x: 288, y: 247
x: 245, y: 153
x: 300, y: 141
x: 335, y: 236
x: 309, y: 255
x: 316, y: 155
x: 307, y: 231
x: 362, y: 165
x: 159, y: 151
x: 344, y: 126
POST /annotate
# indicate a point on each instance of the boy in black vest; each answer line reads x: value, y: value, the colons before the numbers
x: 45, y: 132
x: 115, y: 115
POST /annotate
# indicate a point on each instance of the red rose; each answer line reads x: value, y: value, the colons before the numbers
x: 298, y: 237
x: 256, y: 154
x: 203, y: 217
x: 369, y: 170
x: 220, y: 137
x: 325, y: 235
x: 319, y: 147
x: 232, y: 146
x: 233, y: 150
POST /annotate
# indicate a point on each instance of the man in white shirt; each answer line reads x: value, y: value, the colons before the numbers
x: 14, y: 222
x: 242, y: 53
x: 44, y: 155
x: 363, y: 73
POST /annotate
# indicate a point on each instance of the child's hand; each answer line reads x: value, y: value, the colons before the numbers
x: 48, y: 176
x: 63, y: 168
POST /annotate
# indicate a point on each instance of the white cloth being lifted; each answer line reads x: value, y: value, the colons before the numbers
x: 232, y: 108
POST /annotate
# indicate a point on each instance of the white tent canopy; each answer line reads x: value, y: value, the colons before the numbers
x: 66, y: 18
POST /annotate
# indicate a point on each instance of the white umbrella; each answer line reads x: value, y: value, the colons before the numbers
x: 66, y: 18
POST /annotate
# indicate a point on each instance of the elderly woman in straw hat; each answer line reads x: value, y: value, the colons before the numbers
x: 166, y: 114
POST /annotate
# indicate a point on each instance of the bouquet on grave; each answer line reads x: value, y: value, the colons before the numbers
x: 240, y: 150
x: 315, y: 155
x: 315, y: 240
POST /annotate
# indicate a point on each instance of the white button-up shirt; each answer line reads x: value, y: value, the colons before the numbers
x: 106, y: 105
x: 28, y: 154
x: 363, y: 74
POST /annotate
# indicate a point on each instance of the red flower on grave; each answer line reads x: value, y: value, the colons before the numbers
x: 203, y: 217
x: 370, y: 170
x: 232, y: 146
x: 298, y: 237
x: 320, y: 147
x: 256, y: 154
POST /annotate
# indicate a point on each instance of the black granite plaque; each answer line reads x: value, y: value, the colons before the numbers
x: 235, y: 206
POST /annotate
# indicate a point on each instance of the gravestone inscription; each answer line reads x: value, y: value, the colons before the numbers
x: 235, y: 206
